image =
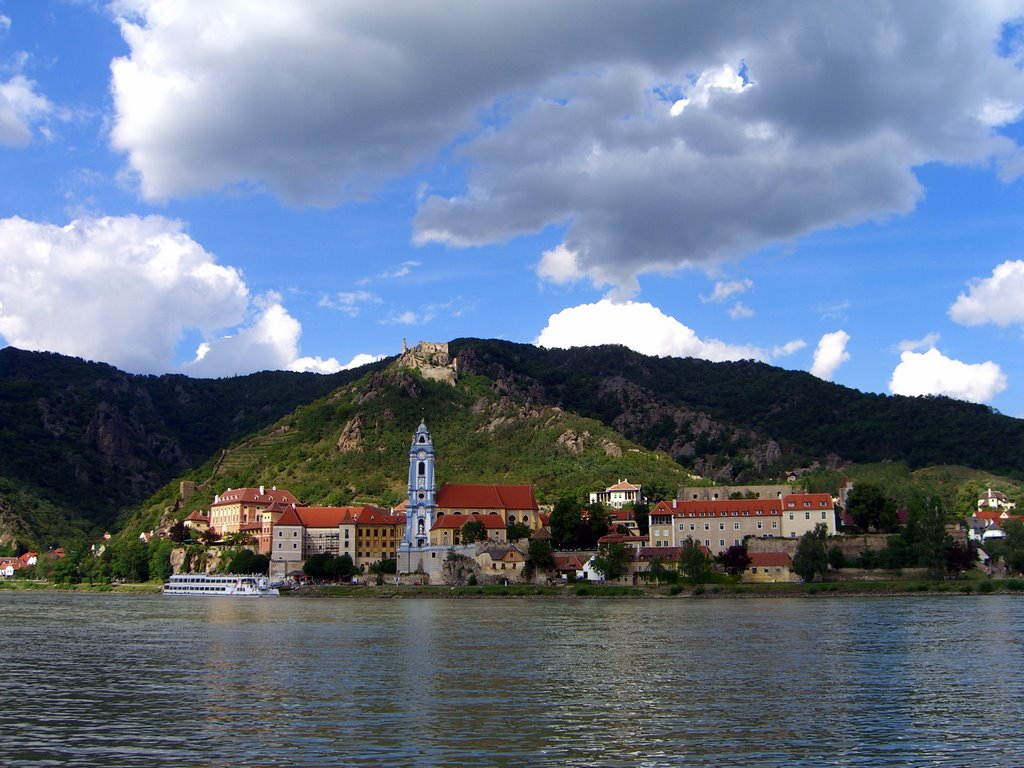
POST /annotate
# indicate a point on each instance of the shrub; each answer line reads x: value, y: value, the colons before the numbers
x: 967, y: 588
x: 698, y: 591
x: 582, y: 591
x: 1015, y: 584
x: 986, y: 587
x: 676, y: 589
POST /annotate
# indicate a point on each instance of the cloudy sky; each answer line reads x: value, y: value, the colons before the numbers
x: 217, y: 187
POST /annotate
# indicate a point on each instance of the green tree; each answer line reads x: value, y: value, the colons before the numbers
x: 473, y: 531
x: 178, y: 532
x: 565, y: 519
x: 811, y: 559
x: 932, y: 539
x: 539, y: 556
x: 316, y: 566
x: 130, y: 561
x: 515, y: 531
x: 836, y: 557
x: 870, y: 508
x: 612, y: 560
x: 160, y: 559
x: 598, y: 523
x: 247, y: 561
x: 694, y: 563
x: 642, y: 516
x: 1013, y: 546
x: 734, y: 560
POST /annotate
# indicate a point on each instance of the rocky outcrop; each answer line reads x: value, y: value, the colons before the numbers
x: 351, y: 438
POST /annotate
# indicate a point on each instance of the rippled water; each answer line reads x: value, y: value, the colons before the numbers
x: 147, y: 681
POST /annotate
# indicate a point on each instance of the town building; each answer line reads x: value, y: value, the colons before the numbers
x: 367, y: 534
x: 722, y: 523
x: 995, y: 500
x: 622, y: 494
x: 250, y: 510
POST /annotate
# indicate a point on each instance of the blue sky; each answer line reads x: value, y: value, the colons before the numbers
x: 207, y: 188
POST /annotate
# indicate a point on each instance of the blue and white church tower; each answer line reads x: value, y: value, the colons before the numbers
x: 421, y: 509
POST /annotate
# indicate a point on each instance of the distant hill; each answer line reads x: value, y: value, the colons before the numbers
x: 746, y: 419
x: 82, y: 443
x: 84, y: 446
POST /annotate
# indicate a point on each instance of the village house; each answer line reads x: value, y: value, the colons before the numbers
x: 501, y: 562
x: 769, y: 567
x: 985, y: 524
x: 722, y: 523
x: 622, y: 494
x: 995, y: 500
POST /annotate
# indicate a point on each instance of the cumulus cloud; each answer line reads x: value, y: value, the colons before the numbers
x: 125, y: 290
x: 830, y: 354
x: 639, y: 326
x: 667, y: 135
x: 912, y: 345
x: 932, y: 373
x: 998, y: 299
x: 21, y: 108
x: 724, y: 289
x: 789, y: 348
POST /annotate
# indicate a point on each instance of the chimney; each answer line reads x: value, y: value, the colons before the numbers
x: 261, y: 490
x: 674, y: 503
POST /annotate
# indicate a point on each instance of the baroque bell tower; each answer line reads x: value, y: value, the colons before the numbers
x: 420, y: 510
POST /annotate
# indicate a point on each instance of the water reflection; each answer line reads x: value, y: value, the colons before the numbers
x: 133, y: 681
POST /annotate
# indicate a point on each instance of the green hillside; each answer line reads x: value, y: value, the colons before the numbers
x: 480, y: 436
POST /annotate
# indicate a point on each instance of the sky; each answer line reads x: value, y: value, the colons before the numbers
x: 217, y: 187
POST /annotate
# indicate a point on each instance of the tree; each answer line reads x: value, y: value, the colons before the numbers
x: 960, y: 556
x: 516, y: 530
x: 612, y: 560
x: 836, y: 557
x: 160, y: 559
x: 565, y: 519
x: 340, y: 568
x: 247, y: 561
x: 694, y: 564
x: 1013, y: 545
x: 598, y: 523
x: 316, y: 566
x: 539, y: 556
x: 932, y: 540
x: 734, y: 560
x: 811, y: 558
x: 869, y: 507
x: 130, y: 561
x: 642, y: 516
x: 209, y: 536
x: 178, y: 532
x: 473, y: 530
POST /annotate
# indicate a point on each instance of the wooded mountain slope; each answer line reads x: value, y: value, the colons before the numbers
x: 83, y: 445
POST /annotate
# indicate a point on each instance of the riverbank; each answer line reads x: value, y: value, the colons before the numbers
x: 893, y: 587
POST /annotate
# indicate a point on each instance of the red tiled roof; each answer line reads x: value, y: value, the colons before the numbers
x: 198, y: 516
x: 370, y: 515
x: 669, y: 554
x: 622, y: 514
x: 720, y: 508
x: 469, y: 496
x: 253, y: 496
x: 256, y: 526
x: 620, y: 538
x: 623, y: 485
x: 770, y: 559
x: 569, y: 562
x: 332, y: 517
x: 490, y: 522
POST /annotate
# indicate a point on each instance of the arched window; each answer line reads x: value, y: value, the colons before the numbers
x: 422, y: 468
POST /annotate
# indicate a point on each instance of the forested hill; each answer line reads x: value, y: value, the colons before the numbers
x: 742, y: 419
x: 81, y: 442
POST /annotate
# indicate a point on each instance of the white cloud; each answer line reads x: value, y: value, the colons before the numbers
x: 331, y: 364
x: 126, y: 290
x: 350, y: 302
x: 21, y: 107
x: 932, y: 373
x: 789, y: 348
x: 725, y: 289
x: 740, y: 311
x: 998, y: 299
x: 912, y: 345
x: 830, y: 354
x: 647, y: 138
x: 639, y: 326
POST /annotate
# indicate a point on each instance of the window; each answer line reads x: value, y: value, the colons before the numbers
x: 721, y: 542
x: 775, y: 523
x: 707, y: 526
x: 807, y: 515
x: 721, y: 526
x: 822, y: 515
x: 735, y: 526
x: 760, y: 525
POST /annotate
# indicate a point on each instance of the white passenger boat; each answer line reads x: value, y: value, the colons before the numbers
x: 210, y: 585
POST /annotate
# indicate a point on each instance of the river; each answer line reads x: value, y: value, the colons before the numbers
x: 116, y: 680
